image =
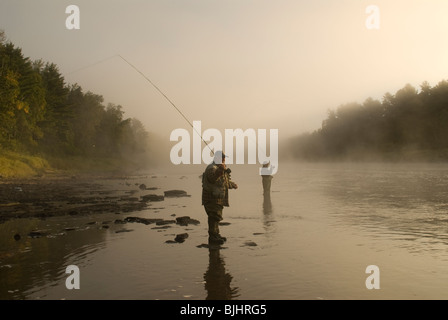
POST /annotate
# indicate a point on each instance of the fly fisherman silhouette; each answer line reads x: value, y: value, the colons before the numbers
x: 216, y: 183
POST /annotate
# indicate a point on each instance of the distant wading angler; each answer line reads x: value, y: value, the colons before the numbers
x: 266, y: 180
x: 215, y: 194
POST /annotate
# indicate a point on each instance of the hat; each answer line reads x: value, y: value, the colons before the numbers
x: 220, y: 153
x: 219, y: 156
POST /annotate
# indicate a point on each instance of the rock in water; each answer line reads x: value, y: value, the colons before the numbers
x: 36, y: 234
x: 123, y: 230
x: 250, y: 244
x: 181, y: 237
x: 165, y: 222
x: 185, y: 221
x: 176, y: 193
x: 142, y: 220
x: 152, y: 197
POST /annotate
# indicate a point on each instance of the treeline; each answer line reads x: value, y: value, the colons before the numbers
x: 41, y: 114
x: 410, y: 125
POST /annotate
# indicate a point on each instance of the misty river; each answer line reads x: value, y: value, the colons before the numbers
x: 313, y: 238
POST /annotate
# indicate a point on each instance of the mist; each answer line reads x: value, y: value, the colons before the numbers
x: 252, y: 64
x: 96, y: 114
x: 246, y: 65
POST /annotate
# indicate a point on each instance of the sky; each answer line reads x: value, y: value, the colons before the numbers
x: 260, y: 64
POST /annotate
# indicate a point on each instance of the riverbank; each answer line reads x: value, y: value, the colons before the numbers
x: 59, y: 194
x: 38, y: 187
x: 16, y: 165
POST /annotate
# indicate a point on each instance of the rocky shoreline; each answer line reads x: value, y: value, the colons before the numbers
x: 59, y: 196
x: 83, y: 196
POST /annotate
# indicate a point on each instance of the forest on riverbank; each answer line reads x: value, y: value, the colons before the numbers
x: 410, y: 125
x: 48, y: 124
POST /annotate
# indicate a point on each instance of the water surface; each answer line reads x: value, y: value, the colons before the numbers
x: 311, y: 239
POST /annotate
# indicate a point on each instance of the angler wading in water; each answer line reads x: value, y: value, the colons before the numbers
x: 215, y: 180
x: 215, y: 194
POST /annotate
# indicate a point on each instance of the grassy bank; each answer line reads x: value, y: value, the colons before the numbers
x: 17, y: 165
x: 14, y: 165
x: 84, y: 165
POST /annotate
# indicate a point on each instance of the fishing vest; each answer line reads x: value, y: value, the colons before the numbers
x: 217, y: 190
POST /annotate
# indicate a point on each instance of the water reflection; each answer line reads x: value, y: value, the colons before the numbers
x: 29, y: 265
x: 267, y: 205
x: 268, y: 218
x: 217, y: 280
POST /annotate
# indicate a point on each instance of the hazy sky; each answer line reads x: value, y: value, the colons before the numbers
x: 236, y: 63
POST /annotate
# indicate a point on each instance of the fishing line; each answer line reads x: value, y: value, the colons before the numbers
x: 91, y: 65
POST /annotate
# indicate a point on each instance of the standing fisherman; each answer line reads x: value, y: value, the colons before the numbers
x: 215, y: 180
x: 266, y: 178
x: 215, y: 194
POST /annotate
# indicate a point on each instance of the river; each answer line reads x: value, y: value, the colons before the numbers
x: 313, y: 238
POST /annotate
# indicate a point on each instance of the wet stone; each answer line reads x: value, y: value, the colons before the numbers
x: 142, y: 220
x: 123, y: 230
x: 161, y: 228
x: 152, y: 197
x: 185, y: 221
x: 36, y: 234
x: 164, y: 222
x: 181, y: 237
x: 250, y: 244
x: 176, y: 194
